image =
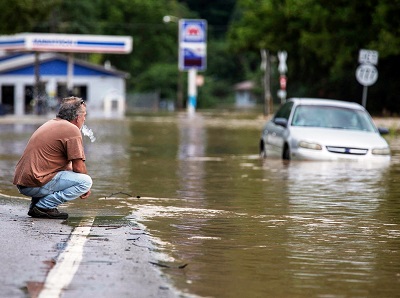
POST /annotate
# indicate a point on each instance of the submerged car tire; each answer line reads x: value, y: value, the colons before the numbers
x: 263, y: 152
x: 286, y: 152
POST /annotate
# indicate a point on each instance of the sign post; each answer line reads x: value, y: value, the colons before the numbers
x: 282, y: 68
x: 192, y: 54
x: 366, y: 73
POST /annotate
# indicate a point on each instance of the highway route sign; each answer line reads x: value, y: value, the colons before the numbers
x: 368, y: 57
x: 366, y: 74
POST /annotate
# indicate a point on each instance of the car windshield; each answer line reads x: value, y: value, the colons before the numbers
x: 332, y: 117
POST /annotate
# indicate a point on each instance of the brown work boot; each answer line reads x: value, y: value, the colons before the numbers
x: 47, y: 213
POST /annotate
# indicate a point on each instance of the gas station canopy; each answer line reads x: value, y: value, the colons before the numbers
x: 71, y: 43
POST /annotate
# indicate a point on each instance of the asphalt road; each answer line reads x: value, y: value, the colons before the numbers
x: 80, y: 258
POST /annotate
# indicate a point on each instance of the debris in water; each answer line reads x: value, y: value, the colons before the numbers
x: 168, y: 266
x: 122, y: 193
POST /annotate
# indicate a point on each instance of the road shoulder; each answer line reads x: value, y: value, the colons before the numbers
x: 116, y: 259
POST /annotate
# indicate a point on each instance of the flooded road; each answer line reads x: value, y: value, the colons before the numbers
x: 245, y: 227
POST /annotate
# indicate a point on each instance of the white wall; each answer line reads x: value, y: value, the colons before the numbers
x: 98, y: 88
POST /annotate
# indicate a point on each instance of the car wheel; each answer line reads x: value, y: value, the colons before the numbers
x: 263, y: 152
x: 286, y: 152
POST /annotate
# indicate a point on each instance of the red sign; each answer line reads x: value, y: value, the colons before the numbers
x: 282, y: 82
x: 193, y: 31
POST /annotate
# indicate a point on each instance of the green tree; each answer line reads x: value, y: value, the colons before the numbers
x: 161, y: 77
x: 72, y: 17
x: 323, y: 39
x: 386, y: 22
x: 217, y: 13
x: 24, y: 15
x: 153, y: 40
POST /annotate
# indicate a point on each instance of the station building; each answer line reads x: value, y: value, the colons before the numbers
x: 102, y: 87
x: 39, y: 69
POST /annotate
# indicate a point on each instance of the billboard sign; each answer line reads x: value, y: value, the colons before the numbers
x: 192, y: 44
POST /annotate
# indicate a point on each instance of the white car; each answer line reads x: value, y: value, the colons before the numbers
x: 323, y: 129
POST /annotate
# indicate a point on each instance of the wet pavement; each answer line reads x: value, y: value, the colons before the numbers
x: 115, y: 259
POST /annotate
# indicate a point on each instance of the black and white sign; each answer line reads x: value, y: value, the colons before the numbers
x: 368, y: 57
x: 282, y: 56
x: 366, y: 74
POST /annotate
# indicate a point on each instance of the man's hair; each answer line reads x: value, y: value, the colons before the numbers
x: 70, y: 108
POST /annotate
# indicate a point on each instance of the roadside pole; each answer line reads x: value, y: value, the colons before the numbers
x: 192, y: 91
x: 364, y: 96
x: 179, y: 91
x: 266, y: 68
x: 37, y: 83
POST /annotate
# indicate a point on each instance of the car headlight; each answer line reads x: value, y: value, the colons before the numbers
x: 309, y: 145
x: 381, y: 151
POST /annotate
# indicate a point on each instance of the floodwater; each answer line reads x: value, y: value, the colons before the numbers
x: 245, y: 227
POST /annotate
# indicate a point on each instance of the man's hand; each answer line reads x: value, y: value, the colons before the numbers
x: 86, y: 195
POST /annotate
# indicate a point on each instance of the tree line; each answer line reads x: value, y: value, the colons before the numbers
x: 322, y: 39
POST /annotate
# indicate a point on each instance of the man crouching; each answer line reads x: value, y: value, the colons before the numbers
x: 52, y: 168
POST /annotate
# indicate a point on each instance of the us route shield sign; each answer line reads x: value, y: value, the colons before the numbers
x: 366, y: 74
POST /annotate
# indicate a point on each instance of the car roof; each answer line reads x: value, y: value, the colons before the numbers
x: 327, y: 102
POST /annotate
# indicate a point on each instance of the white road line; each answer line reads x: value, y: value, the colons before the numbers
x: 60, y: 276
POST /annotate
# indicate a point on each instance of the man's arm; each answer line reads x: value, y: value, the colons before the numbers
x: 79, y: 166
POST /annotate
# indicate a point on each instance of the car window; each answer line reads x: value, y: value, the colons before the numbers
x: 307, y: 116
x: 332, y: 117
x: 284, y: 111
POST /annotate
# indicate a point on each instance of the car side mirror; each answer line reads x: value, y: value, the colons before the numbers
x: 281, y: 122
x: 383, y: 130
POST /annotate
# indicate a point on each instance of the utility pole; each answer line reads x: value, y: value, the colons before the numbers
x: 37, y: 83
x: 266, y: 67
x: 179, y: 91
x: 179, y: 95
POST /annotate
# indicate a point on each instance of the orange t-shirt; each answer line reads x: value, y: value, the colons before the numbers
x: 49, y: 150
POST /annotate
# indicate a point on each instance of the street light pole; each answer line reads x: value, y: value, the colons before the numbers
x: 179, y: 89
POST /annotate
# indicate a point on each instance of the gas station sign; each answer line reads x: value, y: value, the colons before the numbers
x: 192, y: 44
x: 69, y: 43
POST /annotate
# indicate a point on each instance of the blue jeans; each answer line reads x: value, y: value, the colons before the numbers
x: 65, y: 186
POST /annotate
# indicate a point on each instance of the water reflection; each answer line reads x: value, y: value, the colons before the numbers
x: 321, y: 185
x: 192, y: 143
x: 332, y: 215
